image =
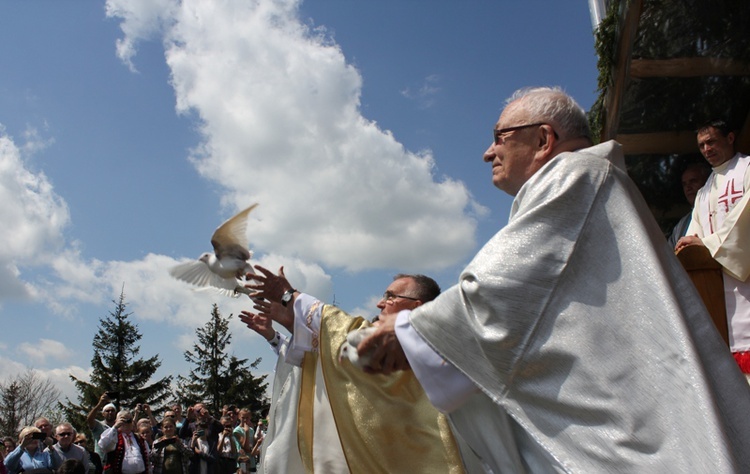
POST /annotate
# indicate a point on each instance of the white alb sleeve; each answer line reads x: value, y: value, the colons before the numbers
x: 307, y: 313
x: 446, y: 386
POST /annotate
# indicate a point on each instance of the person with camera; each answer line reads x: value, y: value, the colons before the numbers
x: 109, y: 412
x: 199, y: 419
x: 227, y: 448
x: 142, y: 414
x: 203, y: 456
x: 126, y: 452
x: 29, y: 456
x: 169, y: 455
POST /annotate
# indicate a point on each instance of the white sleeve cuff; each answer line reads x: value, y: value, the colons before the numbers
x: 445, y: 386
x: 307, y: 313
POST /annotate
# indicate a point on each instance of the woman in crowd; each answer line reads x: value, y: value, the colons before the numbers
x: 227, y: 448
x: 10, y: 444
x: 29, y: 456
x: 200, y: 447
x: 169, y: 455
x: 95, y: 462
x: 245, y: 435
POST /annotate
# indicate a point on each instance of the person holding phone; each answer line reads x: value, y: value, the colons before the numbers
x: 109, y: 412
x: 200, y: 419
x: 203, y: 457
x: 29, y: 456
x: 169, y: 455
x: 126, y: 452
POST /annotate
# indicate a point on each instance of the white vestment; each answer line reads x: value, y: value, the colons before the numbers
x: 279, y: 451
x: 590, y: 344
x: 721, y: 218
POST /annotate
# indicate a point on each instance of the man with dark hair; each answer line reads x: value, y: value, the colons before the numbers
x: 349, y: 421
x: 692, y: 178
x: 109, y: 412
x: 426, y: 289
x: 574, y: 341
x: 721, y: 223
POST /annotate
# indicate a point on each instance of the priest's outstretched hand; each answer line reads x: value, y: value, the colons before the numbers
x: 258, y: 322
x: 269, y: 290
x: 387, y: 354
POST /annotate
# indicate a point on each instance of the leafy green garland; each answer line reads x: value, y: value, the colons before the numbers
x: 606, y: 47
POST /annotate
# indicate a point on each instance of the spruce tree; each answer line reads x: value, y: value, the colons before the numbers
x: 117, y: 367
x: 219, y: 378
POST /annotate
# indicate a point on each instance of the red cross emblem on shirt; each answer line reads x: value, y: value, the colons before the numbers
x: 730, y: 196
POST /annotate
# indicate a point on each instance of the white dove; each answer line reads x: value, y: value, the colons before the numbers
x: 349, y: 348
x: 229, y: 262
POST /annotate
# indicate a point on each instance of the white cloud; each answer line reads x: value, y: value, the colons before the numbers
x: 58, y: 377
x: 425, y: 93
x: 33, y: 218
x: 34, y: 141
x: 44, y: 349
x: 152, y: 294
x: 280, y: 117
x: 144, y: 19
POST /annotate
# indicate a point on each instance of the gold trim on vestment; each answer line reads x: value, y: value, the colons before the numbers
x: 385, y: 423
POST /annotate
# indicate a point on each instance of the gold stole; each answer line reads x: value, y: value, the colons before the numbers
x: 385, y: 423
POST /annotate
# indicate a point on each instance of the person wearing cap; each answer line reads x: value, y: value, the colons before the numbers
x: 125, y: 452
x: 109, y: 412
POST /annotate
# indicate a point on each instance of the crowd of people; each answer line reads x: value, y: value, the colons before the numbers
x: 135, y: 442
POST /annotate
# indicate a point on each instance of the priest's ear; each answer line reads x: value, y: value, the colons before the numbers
x: 546, y: 138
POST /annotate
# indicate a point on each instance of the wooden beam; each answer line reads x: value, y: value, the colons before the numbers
x: 743, y: 137
x: 620, y: 74
x: 660, y: 143
x: 688, y: 67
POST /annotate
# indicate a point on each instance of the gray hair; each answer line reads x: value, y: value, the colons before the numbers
x: 552, y: 105
x: 65, y: 424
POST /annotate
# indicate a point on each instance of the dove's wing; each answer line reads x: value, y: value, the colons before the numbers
x: 239, y: 290
x: 359, y: 335
x: 349, y: 348
x: 230, y: 239
x: 198, y: 273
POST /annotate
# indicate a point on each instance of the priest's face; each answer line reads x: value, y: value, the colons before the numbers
x: 512, y: 153
x: 715, y: 146
x: 401, y: 294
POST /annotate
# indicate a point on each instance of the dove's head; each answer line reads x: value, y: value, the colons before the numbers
x: 344, y: 351
x: 205, y: 257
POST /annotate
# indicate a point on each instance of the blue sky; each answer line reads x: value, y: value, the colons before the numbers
x: 129, y: 130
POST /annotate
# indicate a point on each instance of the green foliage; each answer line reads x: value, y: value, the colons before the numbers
x: 116, y: 366
x: 218, y: 378
x: 605, y: 44
x: 673, y: 29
